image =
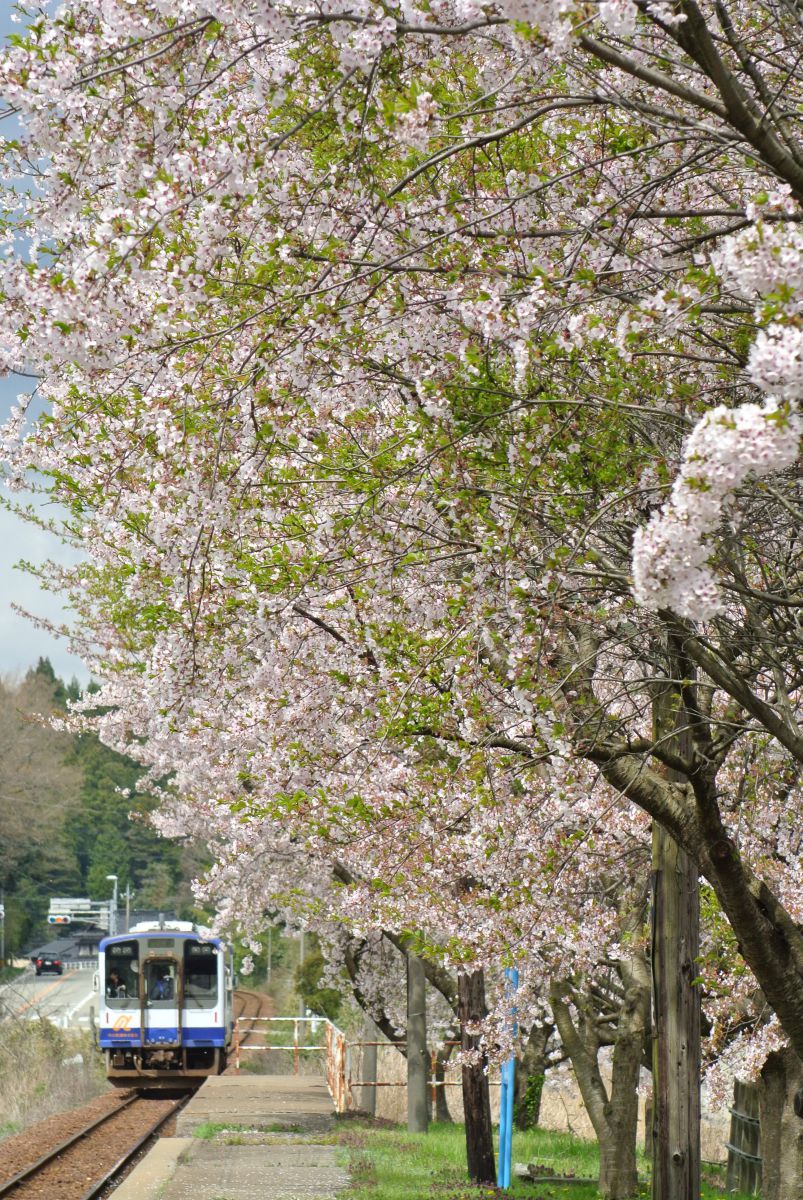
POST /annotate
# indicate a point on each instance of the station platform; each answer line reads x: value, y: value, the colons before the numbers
x: 245, y: 1137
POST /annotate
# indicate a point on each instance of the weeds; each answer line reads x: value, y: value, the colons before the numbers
x: 243, y: 1135
x: 44, y: 1070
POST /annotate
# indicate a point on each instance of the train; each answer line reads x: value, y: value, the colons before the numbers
x: 166, y: 1012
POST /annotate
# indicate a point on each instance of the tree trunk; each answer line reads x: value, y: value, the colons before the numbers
x: 781, y: 1127
x: 614, y: 1116
x: 770, y: 941
x: 618, y: 1170
x: 476, y: 1093
x: 440, y: 1107
x: 530, y: 1075
x: 417, y: 1058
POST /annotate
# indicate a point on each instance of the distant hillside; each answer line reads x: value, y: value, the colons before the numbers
x: 65, y: 824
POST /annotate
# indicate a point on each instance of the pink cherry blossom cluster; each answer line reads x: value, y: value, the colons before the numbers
x: 728, y: 446
x: 670, y: 555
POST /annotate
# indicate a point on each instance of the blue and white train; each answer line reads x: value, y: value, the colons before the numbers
x: 166, y: 1006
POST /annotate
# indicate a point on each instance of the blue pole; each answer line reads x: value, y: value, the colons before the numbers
x: 500, y: 1166
x: 511, y: 1074
x: 507, y: 1090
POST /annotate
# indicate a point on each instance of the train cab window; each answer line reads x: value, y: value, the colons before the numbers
x: 200, y: 974
x: 121, y: 974
x: 160, y: 983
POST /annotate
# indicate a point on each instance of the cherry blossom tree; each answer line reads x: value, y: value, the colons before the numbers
x: 423, y: 388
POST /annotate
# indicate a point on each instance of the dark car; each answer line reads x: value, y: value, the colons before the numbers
x: 46, y: 962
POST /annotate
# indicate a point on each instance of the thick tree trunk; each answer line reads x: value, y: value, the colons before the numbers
x: 476, y: 1094
x: 770, y: 941
x: 781, y: 1127
x: 685, y: 803
x: 614, y: 1116
x: 417, y: 1057
x: 530, y: 1075
x: 628, y: 1055
x: 617, y: 1169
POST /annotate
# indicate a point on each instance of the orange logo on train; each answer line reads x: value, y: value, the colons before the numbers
x: 122, y: 1024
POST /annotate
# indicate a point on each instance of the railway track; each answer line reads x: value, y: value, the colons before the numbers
x: 250, y: 1005
x: 85, y: 1165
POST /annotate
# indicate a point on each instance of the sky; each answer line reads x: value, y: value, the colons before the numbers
x: 21, y: 642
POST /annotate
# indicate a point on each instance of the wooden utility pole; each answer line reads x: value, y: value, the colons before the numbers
x: 417, y: 1058
x: 675, y: 948
x: 676, y: 1022
x: 369, y: 1057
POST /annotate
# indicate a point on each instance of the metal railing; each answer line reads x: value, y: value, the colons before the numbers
x: 338, y: 1056
x: 335, y: 1047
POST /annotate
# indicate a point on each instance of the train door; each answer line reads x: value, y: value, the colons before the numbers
x: 161, y: 998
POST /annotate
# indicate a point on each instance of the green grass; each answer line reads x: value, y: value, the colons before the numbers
x: 388, y: 1163
x: 209, y: 1131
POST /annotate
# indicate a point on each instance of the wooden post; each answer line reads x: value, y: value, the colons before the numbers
x: 676, y: 1022
x: 369, y: 1057
x: 417, y: 1059
x: 675, y: 941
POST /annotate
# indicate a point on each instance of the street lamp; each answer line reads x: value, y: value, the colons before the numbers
x: 113, y: 910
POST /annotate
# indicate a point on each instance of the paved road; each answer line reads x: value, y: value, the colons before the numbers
x: 64, y: 999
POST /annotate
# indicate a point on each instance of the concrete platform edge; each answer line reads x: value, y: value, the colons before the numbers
x: 148, y: 1179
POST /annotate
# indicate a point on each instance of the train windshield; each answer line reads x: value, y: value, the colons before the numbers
x: 121, y: 982
x: 160, y: 982
x: 200, y: 974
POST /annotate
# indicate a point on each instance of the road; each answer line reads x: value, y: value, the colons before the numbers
x: 64, y: 999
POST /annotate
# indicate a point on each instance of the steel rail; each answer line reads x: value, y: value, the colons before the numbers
x: 244, y: 1035
x: 28, y: 1172
x: 98, y: 1188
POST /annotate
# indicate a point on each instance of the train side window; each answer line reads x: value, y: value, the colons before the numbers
x: 200, y: 974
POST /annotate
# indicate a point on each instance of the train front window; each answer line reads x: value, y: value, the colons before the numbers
x: 160, y: 983
x: 200, y: 974
x: 121, y: 974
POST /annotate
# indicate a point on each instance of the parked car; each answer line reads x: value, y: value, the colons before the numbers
x: 46, y: 962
